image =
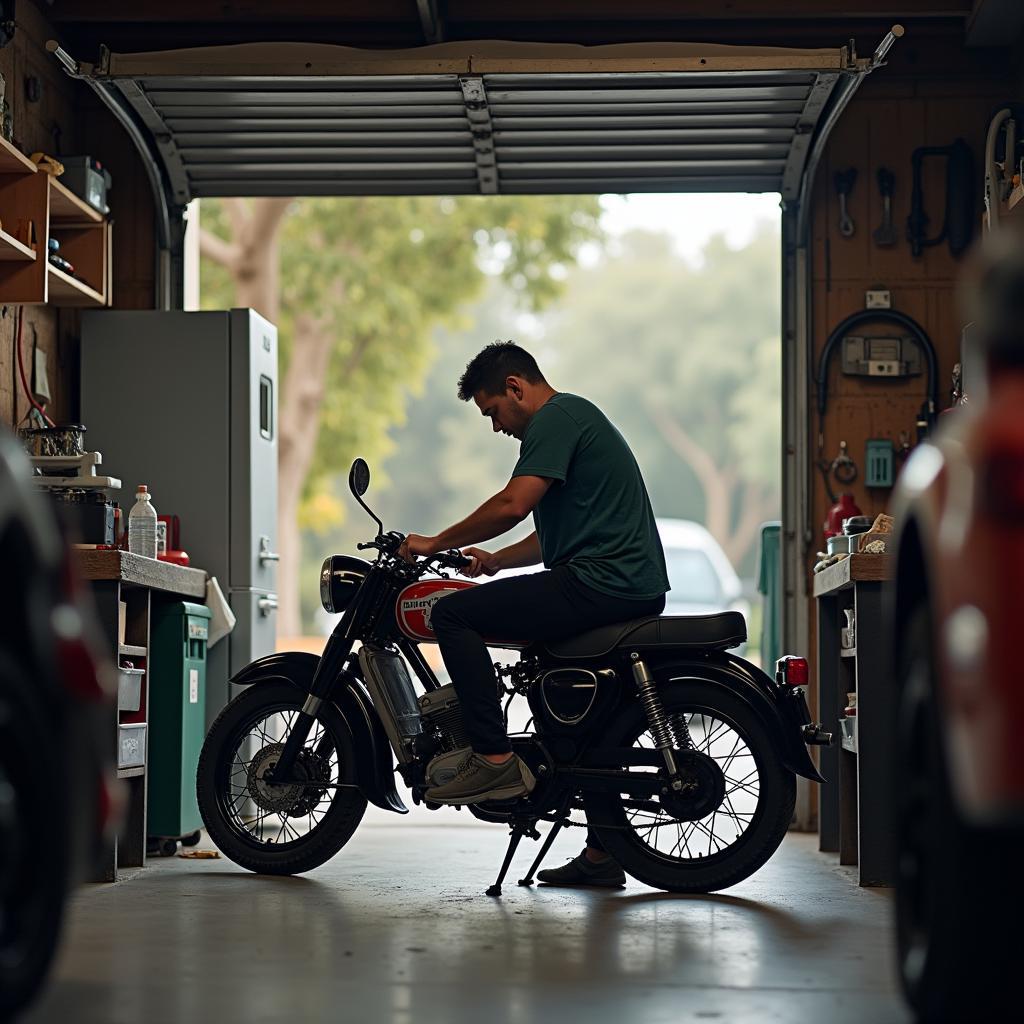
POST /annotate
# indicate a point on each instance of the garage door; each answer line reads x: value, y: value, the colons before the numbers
x: 296, y: 119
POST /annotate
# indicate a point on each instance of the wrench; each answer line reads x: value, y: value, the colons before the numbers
x: 844, y: 186
x: 885, y: 235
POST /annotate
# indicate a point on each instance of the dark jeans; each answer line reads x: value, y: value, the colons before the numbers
x: 540, y: 606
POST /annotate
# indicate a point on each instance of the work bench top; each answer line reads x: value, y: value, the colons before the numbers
x: 857, y: 568
x: 135, y: 570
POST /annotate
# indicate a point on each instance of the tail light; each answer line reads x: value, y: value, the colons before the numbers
x: 792, y: 671
x: 1002, y: 486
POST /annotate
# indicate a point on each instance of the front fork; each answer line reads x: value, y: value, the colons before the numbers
x: 333, y: 661
x: 667, y: 733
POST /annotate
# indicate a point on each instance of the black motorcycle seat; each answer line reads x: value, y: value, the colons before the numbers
x: 716, y: 632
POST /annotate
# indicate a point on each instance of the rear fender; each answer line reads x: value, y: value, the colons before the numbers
x: 776, y: 709
x: 374, y: 767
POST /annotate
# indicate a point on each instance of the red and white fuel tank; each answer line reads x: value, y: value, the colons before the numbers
x: 415, y: 603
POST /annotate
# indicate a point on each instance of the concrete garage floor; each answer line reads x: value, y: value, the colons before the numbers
x: 396, y: 929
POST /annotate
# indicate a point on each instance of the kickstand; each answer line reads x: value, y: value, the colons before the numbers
x: 555, y: 829
x: 517, y: 833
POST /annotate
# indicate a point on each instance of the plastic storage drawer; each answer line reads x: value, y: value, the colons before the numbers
x: 129, y: 688
x: 131, y: 745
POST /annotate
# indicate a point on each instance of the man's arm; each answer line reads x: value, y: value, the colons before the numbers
x: 496, y: 516
x: 516, y: 556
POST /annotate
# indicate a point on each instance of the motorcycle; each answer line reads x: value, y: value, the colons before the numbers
x: 679, y: 754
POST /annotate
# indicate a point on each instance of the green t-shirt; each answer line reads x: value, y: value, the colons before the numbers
x: 596, y: 516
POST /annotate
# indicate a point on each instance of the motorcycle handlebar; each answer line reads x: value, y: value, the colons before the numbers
x: 454, y: 559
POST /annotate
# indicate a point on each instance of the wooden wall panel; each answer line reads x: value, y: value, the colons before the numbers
x: 67, y: 119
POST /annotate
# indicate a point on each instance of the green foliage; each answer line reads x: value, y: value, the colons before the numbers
x: 639, y: 327
x: 382, y: 273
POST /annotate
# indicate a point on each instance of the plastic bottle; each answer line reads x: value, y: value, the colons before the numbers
x: 142, y: 524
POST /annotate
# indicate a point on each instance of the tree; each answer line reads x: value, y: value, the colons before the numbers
x: 663, y: 347
x: 355, y: 286
x: 693, y: 353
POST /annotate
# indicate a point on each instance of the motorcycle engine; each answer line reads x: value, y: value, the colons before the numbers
x: 441, y: 715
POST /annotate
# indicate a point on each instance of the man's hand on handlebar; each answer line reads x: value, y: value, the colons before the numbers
x: 484, y: 563
x: 416, y: 544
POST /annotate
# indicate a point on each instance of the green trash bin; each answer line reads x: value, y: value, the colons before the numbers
x: 769, y: 583
x: 177, y: 715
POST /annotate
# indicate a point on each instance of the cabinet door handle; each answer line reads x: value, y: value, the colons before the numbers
x: 268, y: 604
x: 266, y: 555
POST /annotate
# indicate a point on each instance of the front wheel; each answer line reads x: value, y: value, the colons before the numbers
x: 274, y: 828
x: 736, y: 809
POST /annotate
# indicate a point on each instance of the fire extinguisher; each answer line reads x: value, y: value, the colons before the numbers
x: 844, y: 508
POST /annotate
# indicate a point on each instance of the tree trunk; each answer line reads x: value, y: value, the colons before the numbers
x: 251, y: 257
x: 719, y: 486
x: 302, y: 394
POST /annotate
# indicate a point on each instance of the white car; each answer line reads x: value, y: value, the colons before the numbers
x: 700, y: 574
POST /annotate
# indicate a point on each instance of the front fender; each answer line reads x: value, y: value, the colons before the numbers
x: 775, y: 709
x: 374, y: 767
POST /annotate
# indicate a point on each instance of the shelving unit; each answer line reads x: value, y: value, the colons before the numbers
x: 854, y: 812
x: 35, y: 207
x: 116, y: 578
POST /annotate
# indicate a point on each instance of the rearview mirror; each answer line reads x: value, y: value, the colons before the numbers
x: 359, y: 477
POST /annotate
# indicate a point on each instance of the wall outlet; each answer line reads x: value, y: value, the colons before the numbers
x: 40, y: 381
x: 878, y: 298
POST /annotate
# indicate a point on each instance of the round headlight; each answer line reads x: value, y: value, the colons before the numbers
x: 340, y: 578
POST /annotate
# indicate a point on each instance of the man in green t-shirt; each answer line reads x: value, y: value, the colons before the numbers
x: 596, y: 536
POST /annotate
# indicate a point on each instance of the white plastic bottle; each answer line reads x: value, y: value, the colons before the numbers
x: 142, y: 524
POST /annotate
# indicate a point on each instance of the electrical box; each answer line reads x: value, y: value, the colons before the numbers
x: 881, y: 356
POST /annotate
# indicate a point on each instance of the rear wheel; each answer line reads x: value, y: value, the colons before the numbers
x: 735, y: 813
x: 270, y: 828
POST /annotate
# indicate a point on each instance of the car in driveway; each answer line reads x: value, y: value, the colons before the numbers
x: 700, y: 575
x: 957, y: 615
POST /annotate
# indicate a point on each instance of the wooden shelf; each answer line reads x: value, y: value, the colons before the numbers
x: 66, y: 207
x: 131, y: 651
x: 12, y: 249
x: 13, y: 161
x: 96, y: 564
x: 65, y: 290
x: 858, y: 567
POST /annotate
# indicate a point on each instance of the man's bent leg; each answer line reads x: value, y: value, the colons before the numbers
x: 472, y: 674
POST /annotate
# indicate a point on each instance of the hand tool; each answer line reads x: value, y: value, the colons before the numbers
x: 885, y: 235
x: 844, y: 186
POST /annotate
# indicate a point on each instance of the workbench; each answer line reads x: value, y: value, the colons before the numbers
x: 116, y: 578
x: 854, y: 807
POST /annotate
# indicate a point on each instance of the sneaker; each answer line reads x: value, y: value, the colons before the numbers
x: 443, y: 768
x: 581, y: 871
x: 477, y: 779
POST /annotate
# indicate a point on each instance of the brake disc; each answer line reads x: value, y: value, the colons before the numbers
x: 269, y: 796
x: 703, y: 789
x: 311, y: 774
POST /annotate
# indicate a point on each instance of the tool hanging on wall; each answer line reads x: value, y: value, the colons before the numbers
x: 1001, y: 164
x: 885, y: 235
x: 844, y: 186
x: 844, y: 469
x: 958, y: 222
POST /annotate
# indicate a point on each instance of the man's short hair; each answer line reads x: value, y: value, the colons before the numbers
x: 488, y: 370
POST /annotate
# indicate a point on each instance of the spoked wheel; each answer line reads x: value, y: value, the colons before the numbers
x: 732, y: 813
x: 269, y: 827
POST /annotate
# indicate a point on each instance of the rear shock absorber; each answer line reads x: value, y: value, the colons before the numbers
x: 656, y: 718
